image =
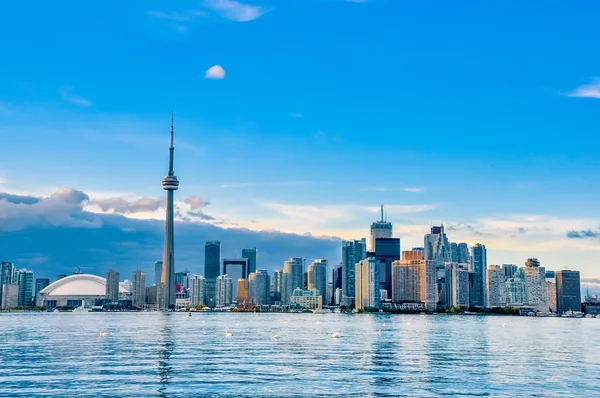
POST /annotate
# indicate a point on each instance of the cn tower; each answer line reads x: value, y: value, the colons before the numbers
x: 170, y: 184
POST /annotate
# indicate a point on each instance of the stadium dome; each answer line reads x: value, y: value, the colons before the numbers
x: 75, y: 291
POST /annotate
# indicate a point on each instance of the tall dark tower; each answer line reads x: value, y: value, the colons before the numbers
x: 170, y: 184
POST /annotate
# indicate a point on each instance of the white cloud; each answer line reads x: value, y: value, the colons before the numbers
x: 591, y: 90
x: 234, y: 10
x: 68, y: 94
x: 413, y: 190
x: 185, y: 16
x: 215, y: 72
x: 387, y: 189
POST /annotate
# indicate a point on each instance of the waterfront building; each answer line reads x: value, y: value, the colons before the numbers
x: 152, y: 296
x: 306, y: 299
x: 8, y: 276
x: 515, y: 289
x: 224, y: 291
x: 260, y: 287
x: 139, y: 289
x: 236, y: 268
x: 406, y: 280
x: 242, y: 289
x: 276, y: 285
x: 478, y: 268
x: 551, y: 291
x: 568, y: 291
x: 170, y: 184
x: 112, y: 286
x: 330, y: 297
x: 367, y: 284
x: 337, y: 283
x: 293, y: 278
x: 76, y: 291
x: 212, y: 269
x: 534, y: 277
x: 317, y: 278
x: 379, y: 229
x: 10, y: 296
x: 458, y: 275
x: 40, y: 284
x: 387, y: 250
x: 197, y: 290
x: 251, y: 256
x: 352, y: 253
x: 496, y: 286
x: 26, y: 288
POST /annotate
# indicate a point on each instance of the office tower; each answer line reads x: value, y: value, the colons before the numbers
x: 317, y: 278
x: 352, y: 253
x: 242, y: 288
x: 157, y: 272
x: 26, y: 289
x: 387, y: 250
x: 139, y: 289
x: 40, y: 284
x: 406, y: 280
x: 293, y: 276
x: 458, y: 285
x: 306, y: 299
x: 236, y: 268
x: 8, y: 276
x: 534, y: 277
x: 515, y: 289
x: 367, y: 284
x: 197, y: 290
x: 551, y: 291
x: 568, y: 291
x: 251, y: 287
x: 251, y: 256
x: 478, y: 269
x: 460, y: 253
x: 496, y: 286
x: 10, y: 296
x: 454, y: 252
x: 330, y: 297
x: 509, y: 270
x: 337, y: 283
x: 224, y: 291
x: 152, y: 295
x: 437, y: 246
x: 182, y: 280
x: 379, y: 229
x: 212, y: 269
x: 276, y: 285
x: 429, y: 289
x: 112, y: 286
x: 305, y: 280
x: 259, y: 287
x: 170, y: 184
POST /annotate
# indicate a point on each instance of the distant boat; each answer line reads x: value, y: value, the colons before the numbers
x: 56, y: 310
x: 572, y: 314
x: 80, y: 309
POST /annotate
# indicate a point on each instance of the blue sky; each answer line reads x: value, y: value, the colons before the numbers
x: 480, y: 115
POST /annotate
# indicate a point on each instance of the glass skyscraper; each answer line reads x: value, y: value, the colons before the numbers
x: 478, y: 269
x: 251, y: 255
x: 352, y: 253
x: 25, y: 280
x: 568, y: 291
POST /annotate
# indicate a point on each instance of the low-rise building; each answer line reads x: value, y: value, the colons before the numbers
x: 306, y: 299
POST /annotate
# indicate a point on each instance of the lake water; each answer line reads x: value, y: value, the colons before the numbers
x: 382, y: 355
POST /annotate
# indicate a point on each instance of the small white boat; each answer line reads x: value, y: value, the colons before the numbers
x: 572, y: 314
x: 80, y: 309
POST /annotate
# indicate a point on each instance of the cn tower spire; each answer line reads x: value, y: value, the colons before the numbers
x: 171, y: 148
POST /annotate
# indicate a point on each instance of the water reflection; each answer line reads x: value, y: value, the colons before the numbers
x: 166, y: 346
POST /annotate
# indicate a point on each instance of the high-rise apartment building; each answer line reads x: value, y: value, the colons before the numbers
x: 197, y: 290
x: 40, y: 284
x: 8, y: 275
x: 534, y: 277
x: 458, y: 284
x: 551, y: 291
x: 367, y: 284
x: 157, y: 272
x: 317, y: 278
x: 406, y: 280
x: 276, y: 285
x: 251, y: 255
x: 509, y: 270
x: 26, y: 288
x: 212, y: 269
x: 242, y: 288
x: 112, y: 286
x: 224, y: 291
x: 515, y: 288
x: 568, y: 291
x: 139, y: 288
x: 293, y: 278
x: 260, y: 287
x: 387, y: 250
x: 478, y: 269
x: 352, y: 253
x: 379, y: 229
x: 496, y: 286
x: 337, y: 283
x: 10, y: 296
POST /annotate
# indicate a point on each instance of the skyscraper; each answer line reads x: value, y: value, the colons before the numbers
x: 242, y: 289
x: 551, y: 291
x: 387, y: 250
x: 352, y: 253
x: 197, y: 290
x: 158, y: 272
x: 568, y: 291
x: 139, y: 288
x: 224, y: 290
x: 337, y: 283
x: 212, y: 269
x: 170, y: 184
x: 379, y: 229
x: 457, y: 279
x: 276, y: 285
x: 40, y: 284
x: 317, y: 278
x: 534, y: 277
x: 251, y: 255
x: 259, y: 286
x: 478, y: 269
x: 112, y: 286
x: 293, y: 276
x: 25, y: 281
x: 367, y: 284
x: 406, y: 280
x: 10, y: 296
x: 437, y: 246
x: 8, y: 276
x: 496, y: 286
x: 182, y: 281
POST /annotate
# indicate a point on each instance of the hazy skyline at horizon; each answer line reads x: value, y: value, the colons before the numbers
x: 308, y: 130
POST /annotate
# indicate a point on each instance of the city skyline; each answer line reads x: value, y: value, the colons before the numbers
x: 383, y: 131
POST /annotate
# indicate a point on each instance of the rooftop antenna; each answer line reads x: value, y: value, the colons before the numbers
x: 171, y: 148
x: 381, y: 213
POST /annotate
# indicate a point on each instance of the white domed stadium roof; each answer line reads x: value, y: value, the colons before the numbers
x: 79, y: 285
